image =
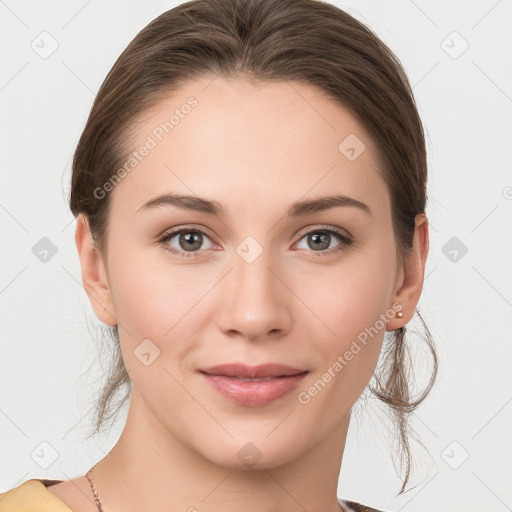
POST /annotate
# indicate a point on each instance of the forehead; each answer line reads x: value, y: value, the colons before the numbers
x: 237, y: 141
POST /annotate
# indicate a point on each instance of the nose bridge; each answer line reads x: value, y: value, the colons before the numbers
x: 255, y: 297
x: 251, y: 268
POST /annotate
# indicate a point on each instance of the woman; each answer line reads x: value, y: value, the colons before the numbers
x: 250, y: 192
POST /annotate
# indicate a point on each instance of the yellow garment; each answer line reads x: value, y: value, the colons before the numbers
x: 32, y: 496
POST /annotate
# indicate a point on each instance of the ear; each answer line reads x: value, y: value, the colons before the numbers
x: 94, y: 276
x: 410, y: 281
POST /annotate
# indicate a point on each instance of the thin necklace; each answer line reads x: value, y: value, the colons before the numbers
x: 94, y: 491
x: 100, y: 506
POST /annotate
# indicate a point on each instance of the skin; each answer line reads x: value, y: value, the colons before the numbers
x: 255, y: 149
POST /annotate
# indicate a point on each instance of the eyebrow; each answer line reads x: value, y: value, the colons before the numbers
x: 297, y: 209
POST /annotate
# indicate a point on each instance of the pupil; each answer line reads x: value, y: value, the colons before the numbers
x: 317, y: 238
x: 190, y: 239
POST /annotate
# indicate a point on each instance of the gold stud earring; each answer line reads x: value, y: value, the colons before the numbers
x: 399, y: 314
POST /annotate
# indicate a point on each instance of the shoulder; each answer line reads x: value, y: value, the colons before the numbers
x: 32, y: 496
x: 352, y: 506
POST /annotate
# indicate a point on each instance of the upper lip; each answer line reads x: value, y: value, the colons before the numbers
x: 251, y: 372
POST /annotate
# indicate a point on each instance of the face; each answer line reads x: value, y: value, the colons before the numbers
x: 259, y: 281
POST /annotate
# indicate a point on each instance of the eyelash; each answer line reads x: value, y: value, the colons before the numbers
x: 346, y: 241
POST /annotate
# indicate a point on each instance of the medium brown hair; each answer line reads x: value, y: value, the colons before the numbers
x: 308, y: 41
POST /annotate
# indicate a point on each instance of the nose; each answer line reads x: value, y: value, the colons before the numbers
x: 256, y: 303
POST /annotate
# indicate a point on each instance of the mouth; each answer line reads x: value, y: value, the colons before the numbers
x: 253, y: 386
x: 260, y: 372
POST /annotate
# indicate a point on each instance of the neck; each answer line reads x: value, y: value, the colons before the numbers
x: 149, y: 468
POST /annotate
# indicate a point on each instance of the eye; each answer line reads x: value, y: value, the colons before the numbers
x: 191, y: 239
x: 320, y: 240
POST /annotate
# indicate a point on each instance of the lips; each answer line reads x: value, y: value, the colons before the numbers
x: 262, y: 371
x: 253, y: 386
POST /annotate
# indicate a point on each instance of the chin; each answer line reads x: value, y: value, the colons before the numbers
x: 251, y: 453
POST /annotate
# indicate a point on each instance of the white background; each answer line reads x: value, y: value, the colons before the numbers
x: 49, y: 370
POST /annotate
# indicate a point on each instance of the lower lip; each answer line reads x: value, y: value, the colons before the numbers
x: 253, y: 393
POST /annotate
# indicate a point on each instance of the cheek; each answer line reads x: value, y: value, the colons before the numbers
x: 151, y: 298
x: 168, y: 305
x: 351, y: 304
x: 346, y: 359
x: 347, y: 297
x: 158, y: 311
